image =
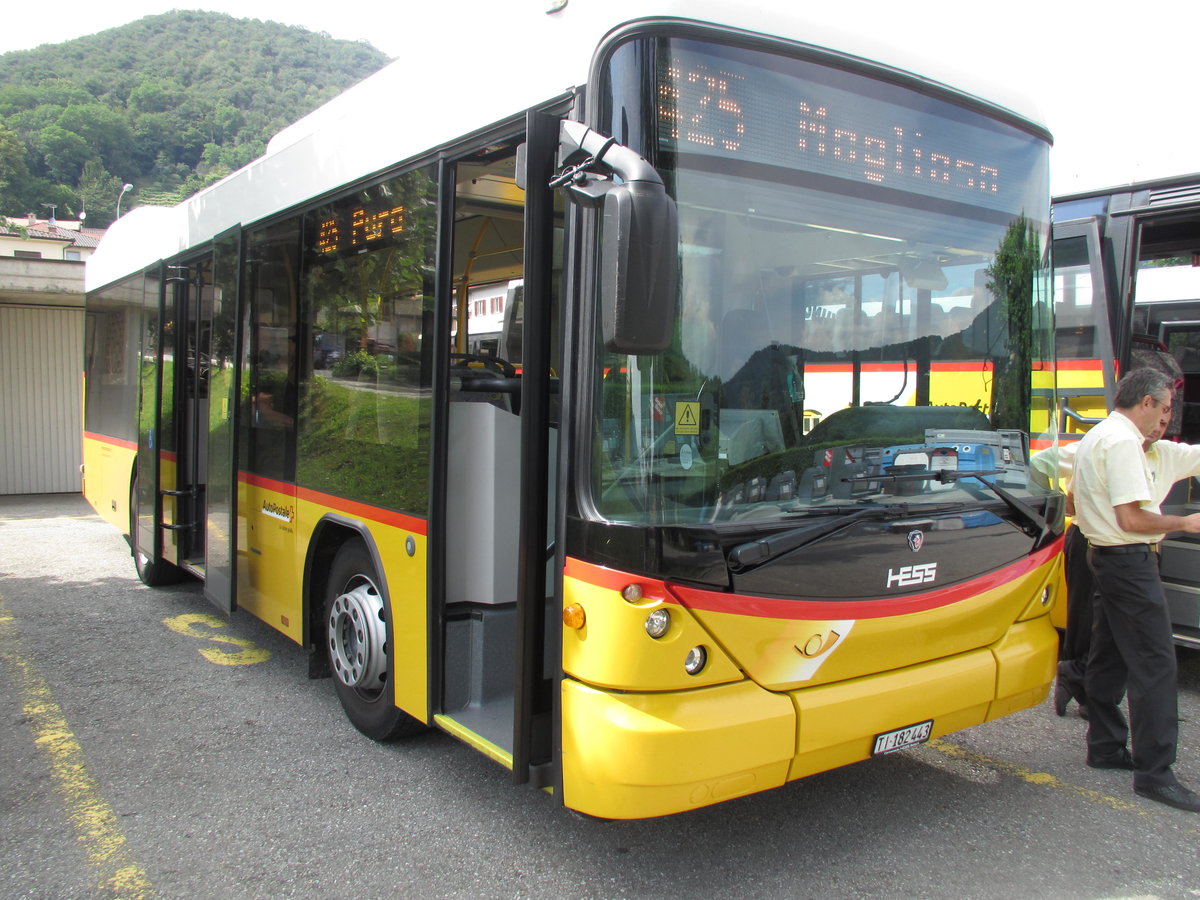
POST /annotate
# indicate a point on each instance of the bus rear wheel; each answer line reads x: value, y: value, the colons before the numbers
x: 357, y: 640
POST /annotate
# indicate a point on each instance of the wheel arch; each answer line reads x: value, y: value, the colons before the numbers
x: 331, y: 533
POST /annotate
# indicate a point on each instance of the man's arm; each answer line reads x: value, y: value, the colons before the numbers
x: 1133, y: 518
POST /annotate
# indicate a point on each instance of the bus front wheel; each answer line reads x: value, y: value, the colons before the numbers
x: 357, y: 642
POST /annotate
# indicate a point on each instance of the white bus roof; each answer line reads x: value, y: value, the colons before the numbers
x: 524, y: 56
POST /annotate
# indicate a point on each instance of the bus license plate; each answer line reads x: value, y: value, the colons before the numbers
x: 910, y: 736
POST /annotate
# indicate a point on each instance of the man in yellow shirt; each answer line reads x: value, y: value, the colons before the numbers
x: 1117, y: 509
x: 1174, y: 462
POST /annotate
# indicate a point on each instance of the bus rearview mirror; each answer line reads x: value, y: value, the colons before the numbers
x: 639, y: 263
x: 639, y: 237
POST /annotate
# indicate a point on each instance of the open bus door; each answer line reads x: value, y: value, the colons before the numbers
x: 494, y: 548
x: 145, y: 510
x: 1083, y: 327
x: 221, y: 321
x: 185, y: 480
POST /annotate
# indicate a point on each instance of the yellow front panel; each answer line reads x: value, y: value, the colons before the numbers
x: 838, y: 722
x: 612, y: 649
x: 783, y: 654
x: 1028, y: 659
x: 628, y: 755
x: 637, y: 752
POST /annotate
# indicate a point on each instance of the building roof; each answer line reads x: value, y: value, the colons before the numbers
x: 72, y: 233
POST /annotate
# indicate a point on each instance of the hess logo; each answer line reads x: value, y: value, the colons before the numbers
x: 906, y: 576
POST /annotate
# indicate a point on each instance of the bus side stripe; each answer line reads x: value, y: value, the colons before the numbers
x: 340, y: 504
x: 105, y: 439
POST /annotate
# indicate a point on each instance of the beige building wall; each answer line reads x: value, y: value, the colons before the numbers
x: 41, y: 398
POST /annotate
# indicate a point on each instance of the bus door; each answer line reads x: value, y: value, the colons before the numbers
x: 187, y: 282
x: 496, y: 545
x: 203, y: 292
x: 155, y: 439
x: 220, y: 487
x: 1083, y: 338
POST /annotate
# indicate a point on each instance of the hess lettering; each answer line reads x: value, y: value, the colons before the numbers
x: 906, y: 576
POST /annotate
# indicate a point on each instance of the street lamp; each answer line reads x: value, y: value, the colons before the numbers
x: 125, y: 189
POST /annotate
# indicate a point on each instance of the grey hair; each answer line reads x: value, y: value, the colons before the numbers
x: 1140, y: 383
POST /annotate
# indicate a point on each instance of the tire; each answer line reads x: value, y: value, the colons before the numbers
x: 357, y: 643
x: 152, y: 572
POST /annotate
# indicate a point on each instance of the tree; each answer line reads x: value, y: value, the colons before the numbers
x: 98, y: 190
x: 14, y: 174
x: 167, y: 101
x: 1013, y: 275
x: 63, y: 153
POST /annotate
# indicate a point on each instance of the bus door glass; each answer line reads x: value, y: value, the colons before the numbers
x: 220, y: 481
x: 1083, y: 334
x: 152, y: 441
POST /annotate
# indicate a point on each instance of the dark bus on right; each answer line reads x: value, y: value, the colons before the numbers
x: 1127, y: 293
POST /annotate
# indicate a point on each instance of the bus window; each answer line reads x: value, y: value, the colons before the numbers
x: 270, y: 352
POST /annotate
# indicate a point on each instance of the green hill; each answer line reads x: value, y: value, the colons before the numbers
x: 168, y: 103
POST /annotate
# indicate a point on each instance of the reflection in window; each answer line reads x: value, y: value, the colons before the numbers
x: 1074, y: 312
x: 272, y: 272
x: 365, y: 408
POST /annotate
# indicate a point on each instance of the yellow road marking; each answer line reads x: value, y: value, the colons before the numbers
x: 1043, y: 779
x: 95, y: 824
x: 246, y: 654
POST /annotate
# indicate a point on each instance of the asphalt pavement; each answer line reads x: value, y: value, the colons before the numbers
x: 154, y: 748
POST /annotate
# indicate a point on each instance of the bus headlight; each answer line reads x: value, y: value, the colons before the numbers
x: 658, y: 623
x: 695, y: 661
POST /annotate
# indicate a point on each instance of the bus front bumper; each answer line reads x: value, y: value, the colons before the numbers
x: 635, y: 755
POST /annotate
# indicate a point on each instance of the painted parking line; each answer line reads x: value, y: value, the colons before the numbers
x: 95, y: 824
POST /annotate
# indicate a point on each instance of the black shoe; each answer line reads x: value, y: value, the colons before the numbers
x: 1121, y: 760
x: 1175, y: 795
x: 1062, y: 696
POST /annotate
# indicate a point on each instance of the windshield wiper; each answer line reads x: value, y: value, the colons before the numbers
x: 1021, y: 508
x: 948, y: 476
x: 943, y: 476
x: 755, y: 553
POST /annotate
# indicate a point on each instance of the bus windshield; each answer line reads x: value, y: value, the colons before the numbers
x: 862, y: 293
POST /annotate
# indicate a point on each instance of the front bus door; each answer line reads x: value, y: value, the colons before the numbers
x: 490, y: 549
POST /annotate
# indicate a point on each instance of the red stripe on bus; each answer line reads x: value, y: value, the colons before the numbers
x: 775, y: 608
x: 840, y: 368
x: 105, y: 439
x: 351, y: 508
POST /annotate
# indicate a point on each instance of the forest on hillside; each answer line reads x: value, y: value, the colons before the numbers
x: 169, y: 103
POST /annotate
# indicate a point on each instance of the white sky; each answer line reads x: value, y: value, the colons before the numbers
x: 1117, y: 83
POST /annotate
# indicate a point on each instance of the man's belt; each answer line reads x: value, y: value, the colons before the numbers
x: 1122, y: 548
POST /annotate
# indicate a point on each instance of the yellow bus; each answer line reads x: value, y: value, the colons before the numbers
x: 739, y: 491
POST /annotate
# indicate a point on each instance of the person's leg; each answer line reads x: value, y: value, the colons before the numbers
x: 1136, y: 618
